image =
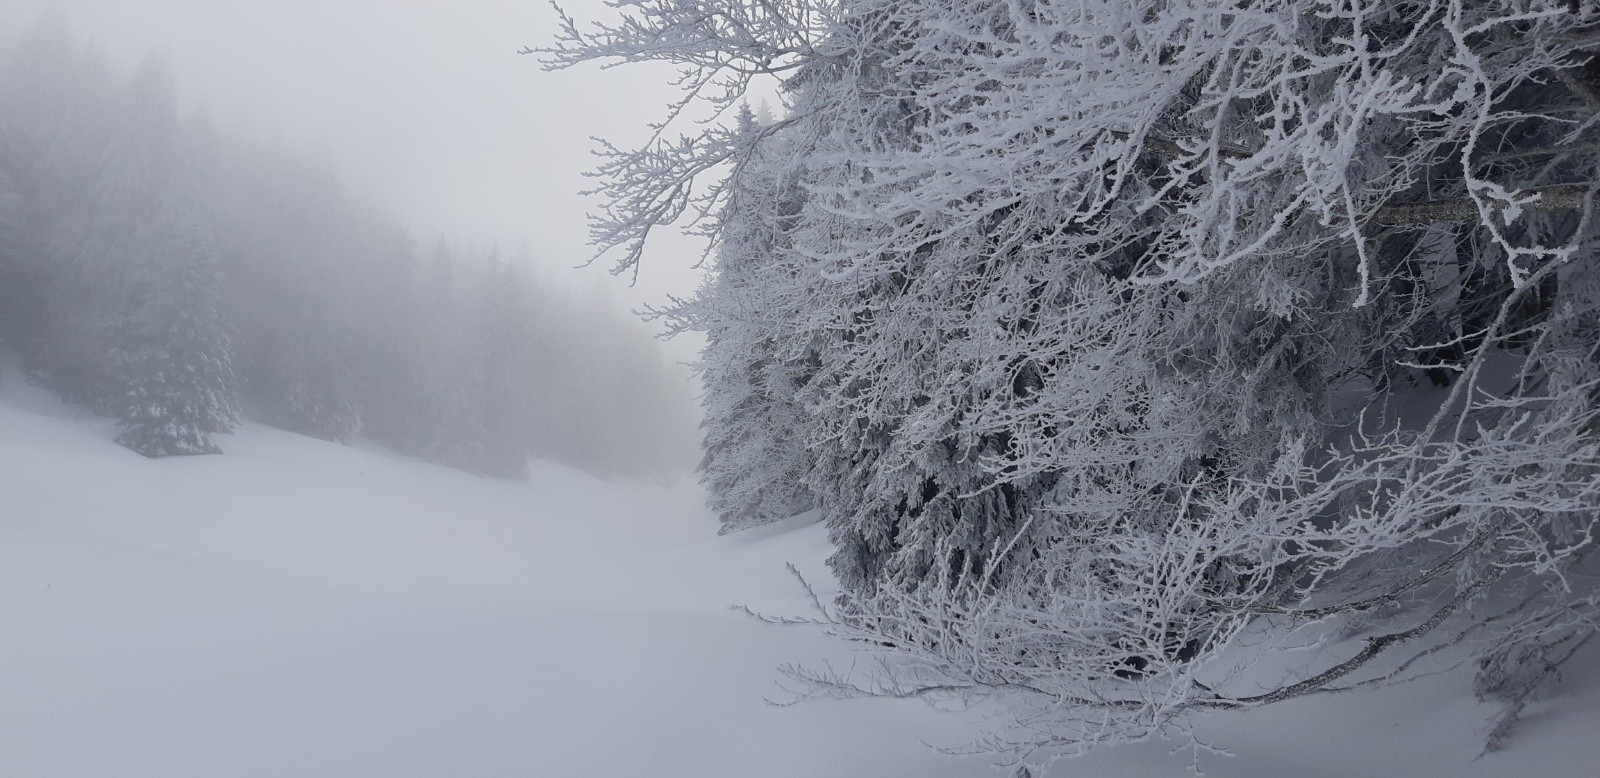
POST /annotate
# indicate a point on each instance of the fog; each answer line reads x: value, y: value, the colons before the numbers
x: 425, y: 104
x: 430, y: 123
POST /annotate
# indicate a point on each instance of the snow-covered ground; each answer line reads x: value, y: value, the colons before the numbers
x: 298, y: 608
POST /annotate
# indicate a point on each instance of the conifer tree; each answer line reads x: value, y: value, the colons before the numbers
x: 448, y: 425
x: 755, y: 448
x: 508, y: 368
x: 172, y: 357
x: 312, y: 388
x: 13, y: 285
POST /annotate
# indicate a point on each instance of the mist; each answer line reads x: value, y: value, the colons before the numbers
x: 1051, y: 388
x: 384, y: 240
x: 427, y: 106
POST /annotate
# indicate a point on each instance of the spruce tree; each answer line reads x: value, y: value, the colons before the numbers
x: 311, y: 387
x: 753, y: 428
x: 510, y: 403
x: 13, y: 286
x: 448, y: 425
x: 173, y: 356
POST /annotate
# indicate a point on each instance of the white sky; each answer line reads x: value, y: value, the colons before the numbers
x: 425, y: 103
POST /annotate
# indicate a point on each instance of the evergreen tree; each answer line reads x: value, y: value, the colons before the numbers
x: 172, y: 357
x: 311, y: 388
x: 12, y: 240
x: 754, y: 435
x: 510, y: 404
x: 390, y: 333
x: 448, y: 426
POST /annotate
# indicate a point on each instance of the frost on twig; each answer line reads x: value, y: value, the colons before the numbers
x: 1128, y: 347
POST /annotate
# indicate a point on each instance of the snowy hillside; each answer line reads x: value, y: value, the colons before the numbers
x: 296, y: 607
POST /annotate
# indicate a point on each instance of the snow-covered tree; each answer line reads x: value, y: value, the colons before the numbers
x: 447, y: 423
x: 509, y: 369
x: 756, y: 454
x: 312, y: 387
x: 13, y: 241
x: 172, y: 355
x: 1139, y: 327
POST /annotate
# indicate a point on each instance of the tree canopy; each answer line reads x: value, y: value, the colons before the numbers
x: 1123, y: 344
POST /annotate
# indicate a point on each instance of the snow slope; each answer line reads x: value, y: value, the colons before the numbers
x: 301, y: 608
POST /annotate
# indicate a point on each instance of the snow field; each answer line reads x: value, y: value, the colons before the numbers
x: 300, y: 608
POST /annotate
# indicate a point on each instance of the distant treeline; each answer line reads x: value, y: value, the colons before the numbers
x: 159, y: 271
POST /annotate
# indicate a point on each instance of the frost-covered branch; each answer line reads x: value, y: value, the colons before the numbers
x: 1123, y: 344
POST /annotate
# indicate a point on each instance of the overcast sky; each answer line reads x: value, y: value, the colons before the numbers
x: 425, y: 103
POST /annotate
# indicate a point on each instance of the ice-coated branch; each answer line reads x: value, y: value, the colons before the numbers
x: 1126, y: 345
